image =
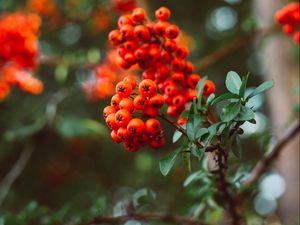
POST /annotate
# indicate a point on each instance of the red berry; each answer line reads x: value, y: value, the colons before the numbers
x: 152, y: 126
x: 209, y: 87
x: 114, y: 37
x: 159, y: 28
x: 182, y: 121
x: 123, y: 89
x: 122, y: 117
x: 140, y: 103
x: 115, y: 100
x: 136, y: 126
x: 138, y: 15
x: 163, y: 13
x: 171, y: 90
x: 130, y: 79
x: 156, y: 101
x: 124, y: 20
x: 122, y: 134
x: 141, y: 33
x: 193, y: 80
x: 127, y: 104
x: 115, y: 136
x: 111, y: 122
x: 151, y: 112
x: 172, y: 32
x: 181, y: 52
x: 108, y: 110
x: 126, y: 31
x: 179, y: 100
x: 147, y: 88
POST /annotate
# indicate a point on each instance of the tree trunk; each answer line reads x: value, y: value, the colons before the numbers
x: 282, y: 68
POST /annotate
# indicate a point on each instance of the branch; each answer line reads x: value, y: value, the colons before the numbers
x: 147, y: 216
x: 223, y: 186
x: 264, y: 163
x: 234, y: 45
x: 210, y: 148
x: 15, y: 172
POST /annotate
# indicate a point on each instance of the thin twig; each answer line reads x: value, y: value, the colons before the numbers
x: 15, y: 172
x: 264, y: 163
x: 234, y: 45
x: 146, y: 216
x: 210, y: 148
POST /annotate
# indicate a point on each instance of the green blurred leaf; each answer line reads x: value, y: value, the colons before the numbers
x: 245, y: 114
x: 166, y: 163
x: 24, y: 132
x: 142, y: 197
x: 200, y: 132
x: 70, y: 127
x: 236, y: 148
x: 176, y: 136
x: 224, y: 97
x: 199, y: 90
x: 233, y: 82
x: 230, y: 111
x: 243, y: 86
x: 199, y: 175
x: 193, y: 124
x: 262, y: 88
x: 186, y: 157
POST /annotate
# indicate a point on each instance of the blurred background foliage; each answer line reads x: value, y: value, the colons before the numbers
x: 75, y: 167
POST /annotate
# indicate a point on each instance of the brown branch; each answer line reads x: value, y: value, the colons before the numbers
x: 210, y: 148
x: 234, y: 45
x: 264, y: 163
x: 223, y: 187
x: 146, y: 216
x: 15, y: 172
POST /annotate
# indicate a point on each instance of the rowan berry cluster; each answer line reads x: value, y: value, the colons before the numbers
x: 128, y: 108
x: 289, y: 18
x: 152, y: 46
x: 19, y: 52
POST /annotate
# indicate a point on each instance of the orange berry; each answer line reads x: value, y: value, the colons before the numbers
x: 127, y: 104
x: 108, y: 110
x: 147, y: 88
x: 123, y: 89
x: 209, y: 87
x: 152, y: 126
x: 140, y: 102
x: 122, y: 117
x: 136, y: 126
x: 163, y: 14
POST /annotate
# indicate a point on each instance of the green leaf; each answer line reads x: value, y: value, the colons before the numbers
x: 166, y: 163
x: 244, y: 85
x: 197, y: 151
x: 199, y: 90
x: 186, y: 157
x: 230, y: 111
x: 262, y: 88
x: 245, y: 114
x: 210, y: 98
x: 70, y: 127
x: 193, y: 124
x: 21, y: 133
x: 233, y: 82
x: 200, y: 132
x: 224, y: 97
x: 142, y: 197
x: 199, y: 175
x: 236, y: 148
x: 176, y: 136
